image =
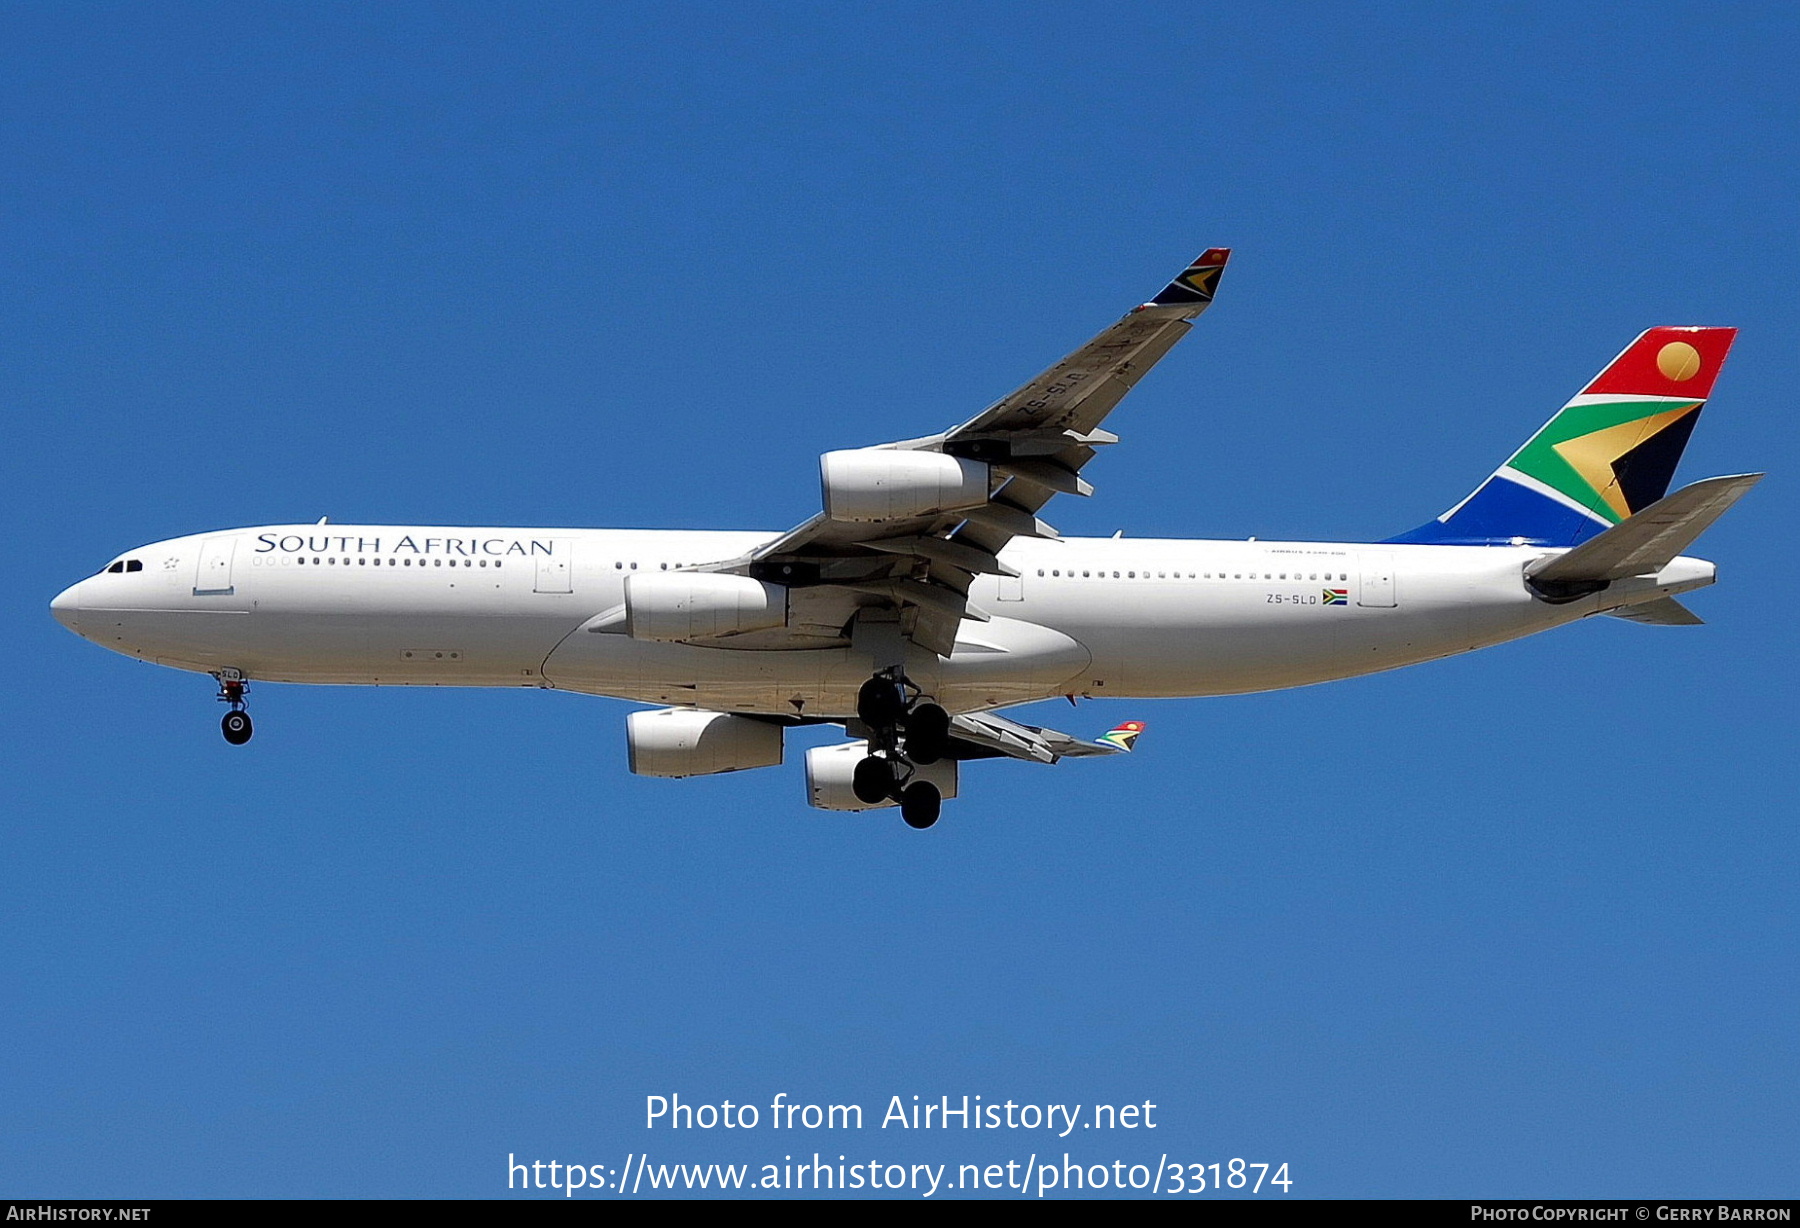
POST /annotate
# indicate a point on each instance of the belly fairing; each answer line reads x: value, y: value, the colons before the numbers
x: 1003, y: 661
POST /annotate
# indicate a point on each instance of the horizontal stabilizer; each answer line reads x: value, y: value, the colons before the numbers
x: 1646, y: 543
x: 1663, y: 612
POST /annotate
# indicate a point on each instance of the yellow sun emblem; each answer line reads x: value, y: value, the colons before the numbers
x: 1678, y: 361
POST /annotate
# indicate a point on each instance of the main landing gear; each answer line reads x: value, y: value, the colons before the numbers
x: 905, y: 732
x: 235, y: 724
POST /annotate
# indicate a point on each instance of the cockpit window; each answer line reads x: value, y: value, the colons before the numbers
x: 124, y: 565
x: 134, y: 565
x: 116, y: 568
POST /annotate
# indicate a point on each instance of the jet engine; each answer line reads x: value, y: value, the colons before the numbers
x: 829, y: 769
x: 688, y: 742
x: 876, y: 484
x: 677, y: 606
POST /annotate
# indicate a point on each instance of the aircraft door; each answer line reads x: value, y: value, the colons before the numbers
x: 1377, y: 588
x: 1012, y: 588
x: 554, y: 571
x: 212, y: 576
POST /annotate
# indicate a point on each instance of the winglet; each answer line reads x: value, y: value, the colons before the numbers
x: 1121, y: 737
x: 1197, y: 284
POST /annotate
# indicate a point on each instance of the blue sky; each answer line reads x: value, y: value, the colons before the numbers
x: 1516, y: 924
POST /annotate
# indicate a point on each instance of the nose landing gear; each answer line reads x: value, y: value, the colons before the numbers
x: 903, y: 734
x: 235, y: 724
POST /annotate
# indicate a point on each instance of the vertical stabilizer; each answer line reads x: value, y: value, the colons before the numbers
x: 1609, y: 452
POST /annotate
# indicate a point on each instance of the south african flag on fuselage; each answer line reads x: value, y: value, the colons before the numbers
x: 1337, y: 596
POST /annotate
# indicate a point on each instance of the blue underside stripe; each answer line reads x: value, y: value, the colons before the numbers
x: 1501, y: 511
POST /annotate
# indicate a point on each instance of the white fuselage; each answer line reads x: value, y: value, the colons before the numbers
x: 397, y: 605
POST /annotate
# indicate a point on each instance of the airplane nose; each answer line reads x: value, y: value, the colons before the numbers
x: 66, y: 605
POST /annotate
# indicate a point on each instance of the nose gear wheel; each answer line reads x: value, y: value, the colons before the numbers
x: 235, y: 724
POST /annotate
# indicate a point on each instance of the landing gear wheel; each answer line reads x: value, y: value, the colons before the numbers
x: 880, y: 703
x: 927, y: 733
x: 236, y: 727
x: 919, y: 804
x: 872, y: 780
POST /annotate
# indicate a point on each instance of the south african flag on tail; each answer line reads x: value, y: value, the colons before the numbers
x: 1608, y: 454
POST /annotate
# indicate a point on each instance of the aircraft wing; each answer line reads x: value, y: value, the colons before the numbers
x: 1034, y: 443
x: 998, y: 736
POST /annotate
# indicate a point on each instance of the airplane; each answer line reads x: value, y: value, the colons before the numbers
x: 928, y: 595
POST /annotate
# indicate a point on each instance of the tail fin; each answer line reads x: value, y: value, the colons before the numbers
x: 1609, y: 452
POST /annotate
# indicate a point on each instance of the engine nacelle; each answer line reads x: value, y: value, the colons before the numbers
x: 875, y: 484
x: 677, y: 606
x: 828, y: 771
x: 687, y: 742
